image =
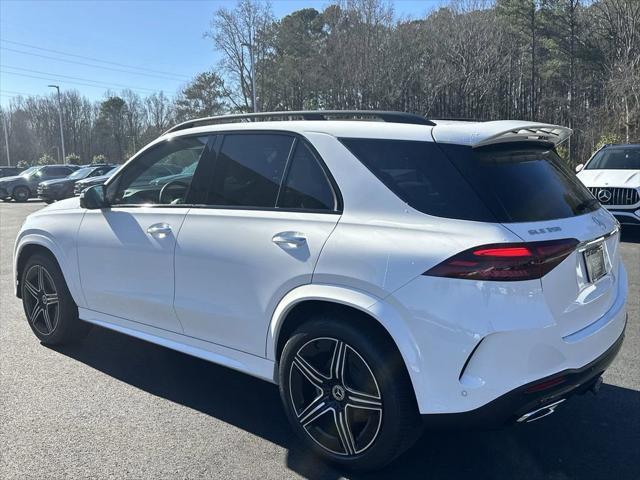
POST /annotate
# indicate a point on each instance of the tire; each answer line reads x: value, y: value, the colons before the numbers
x: 21, y: 194
x: 50, y: 310
x: 371, y: 397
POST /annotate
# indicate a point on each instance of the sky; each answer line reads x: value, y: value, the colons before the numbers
x: 96, y: 46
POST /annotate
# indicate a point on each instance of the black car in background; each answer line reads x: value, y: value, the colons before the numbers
x: 10, y: 171
x: 24, y: 186
x: 91, y: 181
x: 52, y: 190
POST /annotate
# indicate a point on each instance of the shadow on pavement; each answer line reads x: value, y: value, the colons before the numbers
x: 590, y: 438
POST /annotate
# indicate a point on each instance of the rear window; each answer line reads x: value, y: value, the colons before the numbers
x: 616, y: 158
x: 421, y: 175
x: 522, y: 182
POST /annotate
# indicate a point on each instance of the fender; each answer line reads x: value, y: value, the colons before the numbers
x: 384, y: 313
x: 69, y: 266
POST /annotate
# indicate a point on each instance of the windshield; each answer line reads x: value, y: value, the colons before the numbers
x: 83, y: 172
x: 29, y: 171
x: 616, y: 158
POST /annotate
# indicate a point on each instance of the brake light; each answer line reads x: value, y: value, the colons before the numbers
x: 506, y: 261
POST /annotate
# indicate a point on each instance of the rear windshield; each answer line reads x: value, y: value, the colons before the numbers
x: 516, y: 182
x: 522, y: 182
x: 421, y: 175
x: 616, y: 158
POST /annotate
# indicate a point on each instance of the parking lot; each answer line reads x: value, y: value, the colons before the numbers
x: 117, y: 407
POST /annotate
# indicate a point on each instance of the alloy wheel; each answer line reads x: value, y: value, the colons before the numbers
x: 335, y: 396
x: 41, y: 300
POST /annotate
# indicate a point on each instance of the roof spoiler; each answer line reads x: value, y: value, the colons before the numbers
x: 490, y: 133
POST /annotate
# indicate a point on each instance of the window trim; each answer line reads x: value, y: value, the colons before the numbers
x: 215, y: 145
x: 115, y: 179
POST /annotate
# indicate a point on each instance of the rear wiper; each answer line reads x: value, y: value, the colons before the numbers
x: 586, y: 204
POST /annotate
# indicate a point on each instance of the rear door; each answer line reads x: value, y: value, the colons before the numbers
x: 269, y: 209
x: 532, y: 193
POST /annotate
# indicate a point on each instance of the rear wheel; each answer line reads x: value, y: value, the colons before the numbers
x: 51, y: 312
x: 347, y: 394
x: 21, y: 194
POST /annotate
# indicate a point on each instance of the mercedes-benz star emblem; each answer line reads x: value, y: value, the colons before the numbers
x: 604, y: 195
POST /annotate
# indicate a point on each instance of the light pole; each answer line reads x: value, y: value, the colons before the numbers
x: 6, y: 138
x: 253, y: 76
x: 64, y: 156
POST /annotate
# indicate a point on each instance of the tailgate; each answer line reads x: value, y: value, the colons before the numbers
x: 584, y: 286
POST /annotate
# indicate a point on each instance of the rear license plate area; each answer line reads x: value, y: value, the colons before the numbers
x: 595, y: 262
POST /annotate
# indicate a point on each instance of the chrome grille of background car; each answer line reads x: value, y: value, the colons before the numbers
x: 619, y: 196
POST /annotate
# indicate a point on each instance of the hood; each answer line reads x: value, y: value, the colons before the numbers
x: 66, y: 204
x: 91, y: 180
x: 57, y: 181
x: 13, y: 178
x: 610, y: 178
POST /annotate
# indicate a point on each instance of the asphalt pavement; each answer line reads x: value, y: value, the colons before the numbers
x: 117, y: 407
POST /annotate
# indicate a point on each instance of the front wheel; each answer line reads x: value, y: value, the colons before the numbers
x: 347, y: 394
x: 21, y: 194
x: 51, y: 312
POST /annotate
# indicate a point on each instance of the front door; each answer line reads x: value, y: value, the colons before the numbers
x: 269, y: 210
x: 125, y: 252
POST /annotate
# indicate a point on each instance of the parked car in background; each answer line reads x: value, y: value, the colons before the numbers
x: 24, y: 186
x: 91, y: 181
x: 376, y: 271
x: 52, y: 190
x: 612, y: 175
x: 10, y: 171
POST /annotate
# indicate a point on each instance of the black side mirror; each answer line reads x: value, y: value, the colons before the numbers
x: 93, y: 198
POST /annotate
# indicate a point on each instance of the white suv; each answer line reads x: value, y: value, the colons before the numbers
x: 612, y: 175
x: 384, y: 274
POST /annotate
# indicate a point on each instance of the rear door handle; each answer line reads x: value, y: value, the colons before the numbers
x: 289, y: 239
x: 160, y: 230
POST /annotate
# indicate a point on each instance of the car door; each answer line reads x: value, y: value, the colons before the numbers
x: 270, y: 208
x: 125, y: 252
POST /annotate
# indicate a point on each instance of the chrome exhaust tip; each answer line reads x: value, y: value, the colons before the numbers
x: 540, y: 412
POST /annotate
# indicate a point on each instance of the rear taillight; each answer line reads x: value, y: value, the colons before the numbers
x: 506, y: 261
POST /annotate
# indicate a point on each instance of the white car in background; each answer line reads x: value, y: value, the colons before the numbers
x: 377, y: 271
x: 613, y: 177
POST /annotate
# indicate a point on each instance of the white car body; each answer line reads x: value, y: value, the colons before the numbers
x: 217, y: 287
x: 618, y: 190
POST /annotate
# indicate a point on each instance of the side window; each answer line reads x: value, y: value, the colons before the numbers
x: 100, y: 171
x: 58, y: 172
x: 306, y: 186
x: 162, y: 175
x: 44, y: 172
x: 249, y: 170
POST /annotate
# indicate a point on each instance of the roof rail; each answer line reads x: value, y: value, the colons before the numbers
x: 393, y: 117
x: 457, y: 119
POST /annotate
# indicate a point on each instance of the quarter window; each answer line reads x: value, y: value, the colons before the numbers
x: 306, y: 186
x: 249, y: 170
x: 162, y: 175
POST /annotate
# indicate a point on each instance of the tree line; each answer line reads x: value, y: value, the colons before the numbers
x: 570, y: 62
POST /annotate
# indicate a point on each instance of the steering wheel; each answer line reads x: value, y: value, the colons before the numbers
x: 170, y: 187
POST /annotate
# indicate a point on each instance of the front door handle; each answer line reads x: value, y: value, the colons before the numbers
x: 159, y: 230
x: 289, y: 239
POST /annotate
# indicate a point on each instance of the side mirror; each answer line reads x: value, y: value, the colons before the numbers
x: 579, y: 167
x: 93, y: 198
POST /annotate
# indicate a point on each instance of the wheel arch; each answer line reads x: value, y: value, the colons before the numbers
x: 364, y: 308
x: 31, y: 243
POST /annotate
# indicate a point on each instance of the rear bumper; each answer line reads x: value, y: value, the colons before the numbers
x: 532, y: 396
